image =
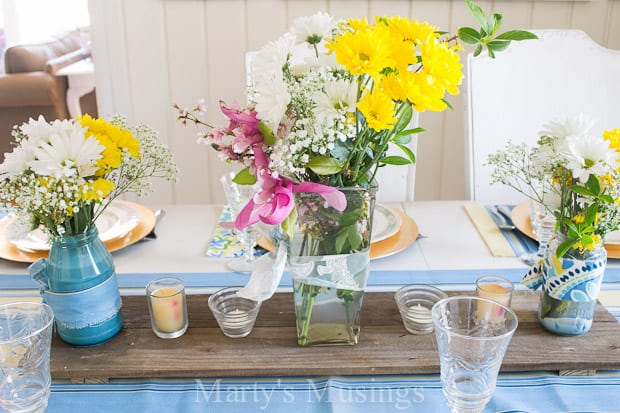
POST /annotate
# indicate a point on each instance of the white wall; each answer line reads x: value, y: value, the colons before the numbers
x: 151, y: 53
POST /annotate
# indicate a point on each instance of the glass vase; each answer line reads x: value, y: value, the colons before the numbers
x: 79, y: 283
x: 328, y: 257
x: 571, y: 285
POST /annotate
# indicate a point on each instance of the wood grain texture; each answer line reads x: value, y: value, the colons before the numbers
x: 271, y: 350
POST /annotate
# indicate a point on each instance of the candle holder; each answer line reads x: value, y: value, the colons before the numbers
x: 167, y: 306
x: 414, y: 303
x: 234, y: 314
x: 494, y: 288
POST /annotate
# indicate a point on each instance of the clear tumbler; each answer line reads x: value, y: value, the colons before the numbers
x: 25, y: 344
x: 471, y: 346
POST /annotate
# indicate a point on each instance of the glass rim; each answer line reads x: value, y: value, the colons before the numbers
x: 47, y: 310
x: 422, y: 288
x: 231, y: 290
x: 437, y: 325
x: 178, y: 283
x: 504, y: 282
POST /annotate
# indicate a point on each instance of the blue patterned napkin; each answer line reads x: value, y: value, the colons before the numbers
x: 224, y: 243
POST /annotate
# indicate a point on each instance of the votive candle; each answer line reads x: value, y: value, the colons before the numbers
x: 168, y: 308
x: 494, y: 288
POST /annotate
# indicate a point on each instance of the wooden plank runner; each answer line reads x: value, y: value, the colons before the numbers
x: 271, y: 350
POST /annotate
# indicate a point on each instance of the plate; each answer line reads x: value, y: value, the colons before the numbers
x: 521, y: 219
x: 385, y: 223
x: 115, y: 221
x: 144, y: 225
x: 404, y: 237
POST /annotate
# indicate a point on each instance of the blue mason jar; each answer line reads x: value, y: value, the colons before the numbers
x: 570, y: 289
x: 79, y: 283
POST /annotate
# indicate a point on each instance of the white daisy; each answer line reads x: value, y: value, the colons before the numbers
x: 68, y: 154
x: 587, y: 155
x: 271, y: 97
x: 578, y: 126
x: 271, y: 58
x: 17, y: 161
x: 339, y: 98
x: 40, y: 130
x: 313, y: 29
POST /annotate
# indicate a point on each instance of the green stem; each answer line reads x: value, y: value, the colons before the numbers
x: 308, y: 293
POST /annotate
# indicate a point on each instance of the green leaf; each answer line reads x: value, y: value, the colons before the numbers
x: 324, y: 165
x: 405, y: 119
x: 564, y: 247
x: 402, y: 139
x: 288, y: 225
x: 395, y: 160
x: 477, y: 12
x: 354, y: 237
x: 478, y: 50
x: 346, y: 219
x: 244, y: 177
x: 267, y: 133
x: 593, y: 184
x: 517, y: 35
x: 469, y: 35
x: 408, y: 152
x: 448, y: 104
x: 341, y: 238
x: 581, y: 190
x: 497, y: 22
x: 498, y: 45
x: 411, y: 131
x: 490, y: 52
x: 606, y: 198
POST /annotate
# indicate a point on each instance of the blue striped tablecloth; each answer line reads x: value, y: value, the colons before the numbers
x: 522, y: 392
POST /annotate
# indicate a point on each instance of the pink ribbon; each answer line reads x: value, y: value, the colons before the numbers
x: 279, y: 202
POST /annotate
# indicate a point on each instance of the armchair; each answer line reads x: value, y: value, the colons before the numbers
x: 30, y: 86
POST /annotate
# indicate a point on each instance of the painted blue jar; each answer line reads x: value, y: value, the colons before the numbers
x: 79, y: 283
x: 570, y: 289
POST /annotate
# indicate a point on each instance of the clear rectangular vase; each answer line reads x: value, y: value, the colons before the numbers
x: 328, y: 259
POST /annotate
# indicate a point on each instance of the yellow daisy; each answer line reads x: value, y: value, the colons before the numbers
x: 362, y: 51
x: 443, y: 64
x: 378, y: 109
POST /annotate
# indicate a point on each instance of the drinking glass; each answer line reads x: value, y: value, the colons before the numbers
x: 543, y: 223
x: 237, y: 196
x: 25, y: 343
x: 471, y: 345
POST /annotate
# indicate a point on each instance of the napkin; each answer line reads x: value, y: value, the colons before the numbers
x: 266, y: 274
x: 500, y: 243
x: 224, y: 243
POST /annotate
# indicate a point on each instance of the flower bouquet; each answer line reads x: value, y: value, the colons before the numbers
x: 326, y: 102
x: 60, y: 177
x: 576, y: 177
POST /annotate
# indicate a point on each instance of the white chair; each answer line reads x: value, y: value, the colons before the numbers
x: 562, y: 74
x: 396, y: 183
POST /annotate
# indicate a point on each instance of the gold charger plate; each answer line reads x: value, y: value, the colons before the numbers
x: 521, y: 219
x: 10, y: 252
x: 404, y: 237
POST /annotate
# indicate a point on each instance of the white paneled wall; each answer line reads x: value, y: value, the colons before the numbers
x: 152, y: 53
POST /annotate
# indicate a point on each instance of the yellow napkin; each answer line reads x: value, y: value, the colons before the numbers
x: 609, y: 298
x: 8, y: 300
x: 490, y: 233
